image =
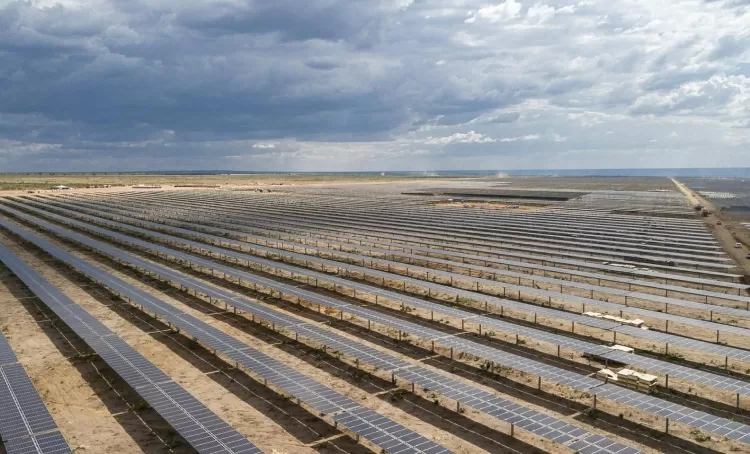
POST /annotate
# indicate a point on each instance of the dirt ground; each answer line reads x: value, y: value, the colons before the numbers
x: 586, y: 183
x: 25, y: 182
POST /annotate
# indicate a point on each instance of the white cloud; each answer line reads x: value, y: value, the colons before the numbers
x: 264, y: 146
x: 459, y: 137
x: 525, y: 138
x: 503, y: 12
x: 540, y: 13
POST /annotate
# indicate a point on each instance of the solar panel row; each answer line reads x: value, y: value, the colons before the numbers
x: 583, y: 302
x: 236, y: 231
x: 554, y: 374
x: 383, y: 221
x: 314, y: 394
x: 441, y: 242
x: 199, y: 426
x: 327, y: 401
x: 25, y: 423
x: 604, y: 324
x: 675, y: 371
x: 725, y: 351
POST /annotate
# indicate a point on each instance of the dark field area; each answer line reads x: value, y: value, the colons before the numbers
x: 738, y: 207
x: 505, y: 193
x: 588, y: 183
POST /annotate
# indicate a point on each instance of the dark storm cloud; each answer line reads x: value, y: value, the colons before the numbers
x: 340, y: 82
x: 292, y: 20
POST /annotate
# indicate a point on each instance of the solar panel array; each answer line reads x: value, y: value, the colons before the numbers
x: 674, y: 370
x: 321, y: 398
x: 236, y: 229
x: 725, y: 351
x: 167, y: 202
x: 380, y: 222
x: 440, y: 242
x: 26, y: 426
x: 199, y: 426
x: 584, y: 302
x: 344, y: 220
x: 554, y: 374
x: 408, y: 223
x: 326, y: 400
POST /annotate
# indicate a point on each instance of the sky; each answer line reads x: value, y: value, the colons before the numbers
x: 346, y: 85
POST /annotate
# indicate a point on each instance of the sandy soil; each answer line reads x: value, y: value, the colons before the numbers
x: 25, y: 182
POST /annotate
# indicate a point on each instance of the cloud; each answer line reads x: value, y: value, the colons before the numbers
x: 503, y: 12
x: 336, y: 84
x: 459, y: 137
x: 520, y: 138
x: 506, y: 117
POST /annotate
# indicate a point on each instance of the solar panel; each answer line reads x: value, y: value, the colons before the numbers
x: 454, y: 243
x: 555, y: 374
x: 319, y: 397
x: 437, y: 287
x: 392, y: 438
x: 675, y: 412
x: 27, y: 411
x: 678, y: 371
x: 313, y: 393
x: 6, y: 353
x: 23, y: 416
x: 671, y: 339
x: 586, y: 347
x: 205, y: 431
x: 128, y: 363
x: 235, y: 229
x: 702, y: 346
x: 134, y: 369
x: 49, y: 443
x: 381, y: 223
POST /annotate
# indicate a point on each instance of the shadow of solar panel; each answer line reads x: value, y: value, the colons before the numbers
x: 49, y: 443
